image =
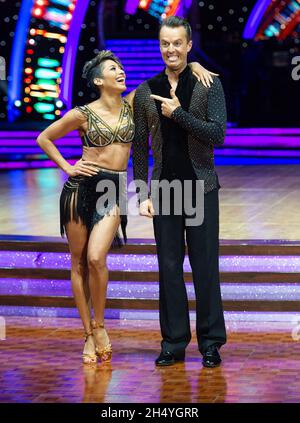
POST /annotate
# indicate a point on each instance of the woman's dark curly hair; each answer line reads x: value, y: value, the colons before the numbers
x: 94, y: 68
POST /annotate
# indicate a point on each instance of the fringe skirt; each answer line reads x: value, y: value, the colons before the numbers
x: 89, y: 198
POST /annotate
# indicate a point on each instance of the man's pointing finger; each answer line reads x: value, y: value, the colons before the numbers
x: 159, y: 98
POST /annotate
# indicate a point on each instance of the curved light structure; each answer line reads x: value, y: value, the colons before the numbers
x: 43, y: 58
x: 71, y: 51
x: 160, y: 9
x: 255, y: 18
x: 17, y: 59
x: 274, y: 18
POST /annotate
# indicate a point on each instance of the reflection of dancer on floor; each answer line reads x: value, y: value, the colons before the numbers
x: 106, y: 128
x: 96, y: 383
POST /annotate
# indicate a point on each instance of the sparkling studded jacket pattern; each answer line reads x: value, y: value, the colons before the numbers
x: 205, y: 123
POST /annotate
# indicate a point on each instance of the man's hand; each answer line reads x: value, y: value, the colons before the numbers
x: 168, y: 105
x: 146, y: 208
x: 202, y: 74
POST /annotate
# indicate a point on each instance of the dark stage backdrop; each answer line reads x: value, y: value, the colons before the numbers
x: 256, y: 74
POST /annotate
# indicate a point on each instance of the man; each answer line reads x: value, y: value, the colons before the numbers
x: 185, y: 120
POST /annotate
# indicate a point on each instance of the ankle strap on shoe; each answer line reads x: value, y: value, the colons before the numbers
x: 87, y: 334
x: 96, y: 325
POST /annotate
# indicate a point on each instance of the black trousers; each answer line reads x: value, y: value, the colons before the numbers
x: 203, y: 250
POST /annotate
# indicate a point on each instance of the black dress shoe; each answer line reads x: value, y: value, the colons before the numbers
x: 168, y: 358
x: 211, y: 357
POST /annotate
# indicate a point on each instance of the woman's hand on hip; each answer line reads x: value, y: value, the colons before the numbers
x: 83, y: 167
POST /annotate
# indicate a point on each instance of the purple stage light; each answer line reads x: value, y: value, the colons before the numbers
x: 255, y: 161
x: 230, y: 131
x: 29, y: 142
x: 280, y: 146
x: 150, y: 290
x: 74, y: 151
x: 247, y: 318
x: 149, y: 69
x: 29, y: 134
x: 148, y: 262
x: 134, y: 55
x: 238, y: 152
x: 219, y: 161
x: 26, y: 164
x: 263, y: 131
x: 131, y: 6
x: 270, y: 141
x: 255, y: 18
x: 142, y: 42
x: 241, y: 138
x: 183, y: 7
x: 71, y: 51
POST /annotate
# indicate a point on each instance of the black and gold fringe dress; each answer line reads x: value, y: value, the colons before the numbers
x: 79, y: 200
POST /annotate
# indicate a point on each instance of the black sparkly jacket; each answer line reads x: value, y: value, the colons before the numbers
x: 205, y: 123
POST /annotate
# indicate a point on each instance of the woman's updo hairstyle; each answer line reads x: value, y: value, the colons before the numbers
x: 94, y: 68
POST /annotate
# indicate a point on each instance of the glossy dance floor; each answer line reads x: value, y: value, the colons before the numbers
x: 40, y: 357
x: 256, y: 202
x: 40, y: 362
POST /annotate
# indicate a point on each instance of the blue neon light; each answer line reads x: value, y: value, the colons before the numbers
x: 62, y: 2
x: 17, y: 59
x: 57, y: 12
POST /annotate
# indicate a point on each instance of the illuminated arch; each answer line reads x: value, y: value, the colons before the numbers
x: 273, y: 18
x: 160, y: 9
x: 17, y: 59
x: 37, y: 83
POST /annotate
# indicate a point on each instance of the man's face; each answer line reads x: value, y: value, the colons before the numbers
x: 174, y: 47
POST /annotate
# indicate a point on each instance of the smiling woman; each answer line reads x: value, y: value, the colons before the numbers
x: 106, y: 62
x: 106, y: 128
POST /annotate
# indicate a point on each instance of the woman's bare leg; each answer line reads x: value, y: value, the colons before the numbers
x: 100, y: 241
x: 78, y: 241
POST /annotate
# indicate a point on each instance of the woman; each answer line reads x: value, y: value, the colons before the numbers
x: 106, y: 128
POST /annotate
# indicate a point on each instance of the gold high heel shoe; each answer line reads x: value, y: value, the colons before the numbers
x: 105, y: 353
x: 86, y: 357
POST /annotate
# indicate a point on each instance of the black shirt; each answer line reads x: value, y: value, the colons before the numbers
x: 176, y: 163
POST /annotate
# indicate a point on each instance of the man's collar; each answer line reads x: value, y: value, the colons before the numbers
x: 183, y: 73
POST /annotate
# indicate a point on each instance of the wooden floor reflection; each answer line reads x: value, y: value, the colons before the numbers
x: 256, y: 202
x: 40, y: 362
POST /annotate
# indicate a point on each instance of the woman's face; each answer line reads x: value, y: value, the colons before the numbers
x: 113, y: 77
